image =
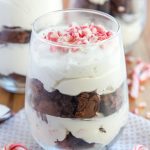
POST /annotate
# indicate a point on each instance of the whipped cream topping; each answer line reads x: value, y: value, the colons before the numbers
x: 57, y: 128
x: 94, y: 67
x: 13, y: 59
x: 23, y: 12
x: 101, y: 2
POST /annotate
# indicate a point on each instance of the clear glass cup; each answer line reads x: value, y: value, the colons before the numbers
x: 76, y: 100
x: 131, y: 15
x: 16, y: 19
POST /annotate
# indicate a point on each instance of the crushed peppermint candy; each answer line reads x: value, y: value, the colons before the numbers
x: 14, y: 147
x: 142, y: 105
x: 138, y: 75
x: 140, y: 147
x: 78, y: 34
x: 147, y: 115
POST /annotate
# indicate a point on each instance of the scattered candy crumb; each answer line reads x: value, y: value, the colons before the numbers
x: 14, y: 147
x: 138, y: 73
x: 140, y: 147
x: 142, y: 88
x: 142, y: 105
x: 147, y: 115
x: 136, y: 111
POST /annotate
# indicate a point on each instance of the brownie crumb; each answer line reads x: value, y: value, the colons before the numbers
x: 101, y: 129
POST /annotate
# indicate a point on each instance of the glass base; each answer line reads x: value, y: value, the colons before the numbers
x: 97, y: 146
x: 13, y: 83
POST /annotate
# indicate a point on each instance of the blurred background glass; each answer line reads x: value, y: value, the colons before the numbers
x: 16, y: 17
x: 130, y: 14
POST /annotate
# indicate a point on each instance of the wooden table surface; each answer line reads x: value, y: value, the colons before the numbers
x: 141, y: 49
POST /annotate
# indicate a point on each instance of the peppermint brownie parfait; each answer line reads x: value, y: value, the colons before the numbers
x: 76, y: 93
x: 130, y: 14
x: 16, y: 18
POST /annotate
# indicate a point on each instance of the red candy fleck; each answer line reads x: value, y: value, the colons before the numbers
x: 140, y: 147
x: 78, y: 35
x: 148, y: 115
x: 15, y: 147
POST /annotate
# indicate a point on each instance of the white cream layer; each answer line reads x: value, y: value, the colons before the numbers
x: 13, y: 59
x: 130, y: 31
x: 88, y: 70
x: 87, y: 129
x: 101, y: 2
x: 23, y: 12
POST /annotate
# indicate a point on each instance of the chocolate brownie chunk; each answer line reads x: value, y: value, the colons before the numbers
x: 14, y: 35
x: 51, y: 103
x: 111, y: 103
x: 71, y: 142
x: 88, y: 105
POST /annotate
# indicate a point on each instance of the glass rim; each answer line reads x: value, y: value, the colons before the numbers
x: 66, y: 45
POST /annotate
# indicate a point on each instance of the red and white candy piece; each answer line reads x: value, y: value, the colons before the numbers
x: 14, y: 147
x: 140, y: 147
x: 78, y: 35
x: 139, y: 74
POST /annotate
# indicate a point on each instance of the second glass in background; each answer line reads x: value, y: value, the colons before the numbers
x: 16, y: 19
x: 131, y: 15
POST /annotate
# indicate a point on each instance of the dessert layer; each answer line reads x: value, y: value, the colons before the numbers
x: 21, y: 13
x: 13, y: 58
x: 99, y: 129
x: 84, y: 105
x: 73, y: 73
